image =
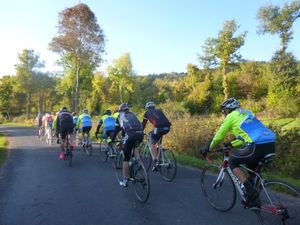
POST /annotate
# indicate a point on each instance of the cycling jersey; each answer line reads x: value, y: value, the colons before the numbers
x: 64, y: 123
x: 75, y: 119
x: 246, y: 128
x: 47, y: 121
x: 128, y: 121
x: 108, y: 121
x: 85, y: 120
x: 157, y: 118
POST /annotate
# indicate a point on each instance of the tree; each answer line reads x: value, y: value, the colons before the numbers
x: 29, y: 61
x: 6, y: 89
x: 279, y: 21
x: 80, y: 41
x: 121, y: 76
x: 223, y: 51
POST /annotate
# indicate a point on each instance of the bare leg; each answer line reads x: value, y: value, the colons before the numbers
x: 154, y: 151
x: 125, y: 170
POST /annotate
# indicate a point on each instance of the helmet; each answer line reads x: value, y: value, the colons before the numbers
x: 64, y: 109
x: 73, y: 113
x: 123, y: 107
x: 85, y: 111
x: 149, y: 105
x: 107, y: 112
x: 230, y: 103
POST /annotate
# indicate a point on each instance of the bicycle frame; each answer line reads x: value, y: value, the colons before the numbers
x: 159, y: 147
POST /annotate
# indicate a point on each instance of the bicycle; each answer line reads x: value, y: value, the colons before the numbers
x: 49, y: 135
x: 167, y: 165
x: 108, y: 149
x: 137, y: 173
x: 41, y: 133
x: 87, y: 144
x: 68, y: 152
x: 278, y: 201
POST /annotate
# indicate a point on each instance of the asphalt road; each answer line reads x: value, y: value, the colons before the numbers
x: 36, y: 187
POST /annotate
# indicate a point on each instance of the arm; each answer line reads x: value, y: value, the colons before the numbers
x: 221, y: 133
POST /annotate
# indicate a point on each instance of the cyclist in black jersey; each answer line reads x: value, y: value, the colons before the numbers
x: 64, y: 126
x: 161, y: 127
x: 132, y: 134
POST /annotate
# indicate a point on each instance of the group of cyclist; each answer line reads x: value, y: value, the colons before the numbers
x: 253, y: 140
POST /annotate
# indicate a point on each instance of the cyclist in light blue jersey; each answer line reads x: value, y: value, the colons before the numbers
x: 109, y: 123
x: 85, y: 121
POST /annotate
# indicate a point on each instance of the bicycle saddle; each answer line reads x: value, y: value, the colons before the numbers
x: 268, y: 158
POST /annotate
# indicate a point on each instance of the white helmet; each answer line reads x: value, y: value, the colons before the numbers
x: 149, y: 105
x: 230, y: 103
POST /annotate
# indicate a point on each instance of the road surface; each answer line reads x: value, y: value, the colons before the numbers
x: 37, y: 188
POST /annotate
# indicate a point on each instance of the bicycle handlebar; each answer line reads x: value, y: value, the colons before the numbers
x: 224, y: 150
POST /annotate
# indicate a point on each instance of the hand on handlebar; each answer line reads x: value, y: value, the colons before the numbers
x: 204, y: 151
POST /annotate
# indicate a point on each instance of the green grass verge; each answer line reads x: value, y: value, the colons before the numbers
x: 3, y: 149
x: 13, y: 124
x: 200, y: 164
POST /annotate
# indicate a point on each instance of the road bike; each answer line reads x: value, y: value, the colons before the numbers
x: 49, y: 135
x: 68, y: 152
x: 108, y: 150
x: 137, y: 173
x: 167, y: 165
x: 40, y: 133
x: 86, y: 144
x: 278, y: 202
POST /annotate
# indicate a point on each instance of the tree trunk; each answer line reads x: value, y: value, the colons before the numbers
x: 225, y: 85
x: 77, y: 88
x: 27, y: 105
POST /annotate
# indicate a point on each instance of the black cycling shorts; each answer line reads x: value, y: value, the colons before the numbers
x: 157, y: 133
x: 86, y: 130
x: 131, y: 140
x: 64, y: 131
x: 250, y: 155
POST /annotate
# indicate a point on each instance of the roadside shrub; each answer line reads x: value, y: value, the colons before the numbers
x: 287, y: 160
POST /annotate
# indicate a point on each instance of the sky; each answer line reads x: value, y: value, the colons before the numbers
x: 160, y: 35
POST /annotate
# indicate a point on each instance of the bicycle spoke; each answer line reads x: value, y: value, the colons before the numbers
x: 145, y: 156
x: 141, y: 182
x: 221, y: 196
x: 279, y: 204
x: 167, y: 165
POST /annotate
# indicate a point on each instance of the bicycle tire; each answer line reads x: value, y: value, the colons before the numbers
x: 284, y: 207
x: 103, y: 151
x: 167, y: 165
x: 221, y: 198
x: 145, y: 156
x: 141, y: 182
x: 118, y: 165
x: 89, y: 149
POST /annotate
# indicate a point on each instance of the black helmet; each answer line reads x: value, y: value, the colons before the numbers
x: 85, y: 111
x: 63, y: 109
x: 230, y: 103
x: 107, y: 112
x: 149, y: 105
x: 124, y: 107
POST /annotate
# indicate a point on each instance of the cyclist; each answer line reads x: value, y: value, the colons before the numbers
x: 109, y: 125
x: 85, y: 121
x: 161, y: 127
x: 75, y: 118
x: 47, y: 123
x: 39, y: 122
x: 132, y: 134
x: 64, y: 126
x: 253, y: 140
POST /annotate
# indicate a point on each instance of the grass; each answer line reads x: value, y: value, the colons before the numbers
x: 3, y: 150
x: 14, y: 124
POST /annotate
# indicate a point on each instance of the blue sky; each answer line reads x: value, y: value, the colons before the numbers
x: 160, y: 35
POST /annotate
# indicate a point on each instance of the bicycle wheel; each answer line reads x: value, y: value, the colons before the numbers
x: 145, y: 156
x: 279, y: 204
x: 118, y: 165
x: 221, y: 195
x: 141, y: 182
x: 89, y: 149
x: 167, y: 165
x: 103, y: 151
